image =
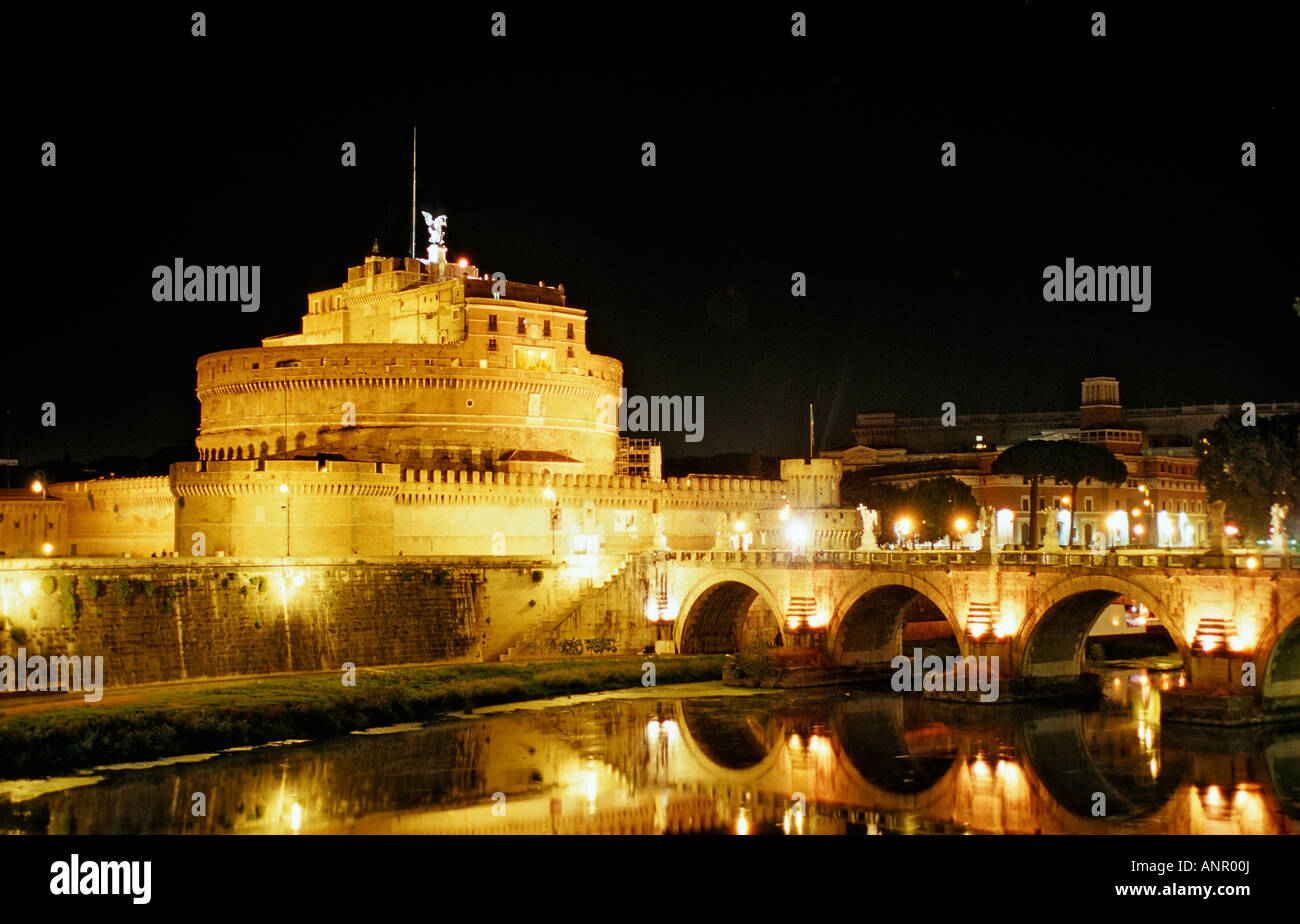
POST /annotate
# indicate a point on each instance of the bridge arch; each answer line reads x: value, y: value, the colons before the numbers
x: 1281, y: 650
x: 1052, y: 638
x: 714, y: 612
x: 867, y: 625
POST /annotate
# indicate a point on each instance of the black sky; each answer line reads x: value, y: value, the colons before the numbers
x: 775, y: 155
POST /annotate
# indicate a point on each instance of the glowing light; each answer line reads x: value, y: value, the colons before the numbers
x: 785, y: 513
x: 284, y: 488
x: 298, y: 580
x: 1213, y: 796
x: 977, y: 629
x: 903, y: 526
x: 739, y: 526
x: 1209, y: 643
x: 37, y: 487
x: 1252, y: 562
x: 796, y: 743
x: 1230, y: 530
x: 463, y: 261
x: 961, y: 525
x: 1155, y: 768
x: 295, y: 816
x: 820, y: 619
x: 1136, y: 512
x: 48, y: 549
x: 25, y: 588
x: 652, y: 610
x: 980, y: 770
x: 742, y: 823
x: 1137, y: 530
x: 797, y: 532
x: 548, y: 493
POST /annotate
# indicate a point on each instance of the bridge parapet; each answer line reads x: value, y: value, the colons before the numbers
x: 928, y: 558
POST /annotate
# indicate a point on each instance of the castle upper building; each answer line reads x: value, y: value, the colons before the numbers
x: 423, y: 363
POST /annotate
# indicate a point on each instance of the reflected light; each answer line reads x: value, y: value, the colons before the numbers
x: 25, y: 588
x: 295, y: 817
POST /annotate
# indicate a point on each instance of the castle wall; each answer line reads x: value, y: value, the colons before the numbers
x: 422, y: 405
x: 189, y: 618
x: 118, y: 516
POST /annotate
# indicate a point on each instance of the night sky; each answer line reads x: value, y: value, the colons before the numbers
x: 775, y: 155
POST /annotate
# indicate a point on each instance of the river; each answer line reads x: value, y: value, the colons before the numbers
x: 706, y: 759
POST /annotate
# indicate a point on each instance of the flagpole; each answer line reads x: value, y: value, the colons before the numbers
x: 412, y: 192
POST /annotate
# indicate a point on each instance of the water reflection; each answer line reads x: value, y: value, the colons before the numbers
x: 811, y: 762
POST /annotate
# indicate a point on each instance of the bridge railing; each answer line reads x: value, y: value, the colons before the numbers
x: 1075, y: 558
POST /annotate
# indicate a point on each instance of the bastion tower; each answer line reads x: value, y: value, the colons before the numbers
x: 422, y: 363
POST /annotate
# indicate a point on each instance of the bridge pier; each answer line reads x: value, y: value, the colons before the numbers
x: 1222, y: 689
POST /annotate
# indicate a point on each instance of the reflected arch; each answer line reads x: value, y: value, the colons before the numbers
x: 867, y: 625
x: 1055, y: 632
x: 725, y: 610
x: 871, y: 734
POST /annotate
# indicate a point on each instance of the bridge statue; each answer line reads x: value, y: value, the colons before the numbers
x: 1218, y: 539
x: 988, y: 528
x: 1277, y: 516
x: 869, y: 520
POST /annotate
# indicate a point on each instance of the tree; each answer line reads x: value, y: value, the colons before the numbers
x: 1252, y: 468
x: 932, y: 504
x: 1065, y: 461
x: 938, y: 502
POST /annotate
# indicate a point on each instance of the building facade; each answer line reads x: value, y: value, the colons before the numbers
x: 1162, y: 504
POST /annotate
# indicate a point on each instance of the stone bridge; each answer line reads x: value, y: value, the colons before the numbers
x: 1228, y: 615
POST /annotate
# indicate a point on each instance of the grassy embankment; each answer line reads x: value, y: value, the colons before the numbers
x: 222, y: 715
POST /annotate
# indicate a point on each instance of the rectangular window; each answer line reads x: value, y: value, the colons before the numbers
x: 535, y: 360
x: 570, y: 352
x: 522, y: 328
x: 492, y: 324
x: 492, y: 345
x: 546, y: 328
x: 570, y: 335
x: 1087, y: 504
x: 1024, y: 503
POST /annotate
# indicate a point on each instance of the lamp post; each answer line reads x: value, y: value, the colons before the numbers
x: 902, y: 529
x: 551, y: 496
x: 284, y: 489
x: 39, y: 487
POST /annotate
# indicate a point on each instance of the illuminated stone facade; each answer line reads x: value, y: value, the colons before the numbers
x: 424, y: 366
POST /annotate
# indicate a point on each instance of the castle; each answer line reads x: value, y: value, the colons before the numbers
x: 427, y: 409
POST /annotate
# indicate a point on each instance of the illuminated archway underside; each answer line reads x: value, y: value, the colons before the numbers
x: 1282, y: 675
x: 724, y: 618
x: 872, y: 628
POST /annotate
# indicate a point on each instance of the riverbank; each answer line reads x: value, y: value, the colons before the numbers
x: 162, y: 722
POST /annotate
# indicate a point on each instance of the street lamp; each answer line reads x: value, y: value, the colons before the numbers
x: 902, y: 529
x: 39, y: 487
x: 739, y: 527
